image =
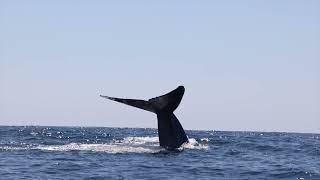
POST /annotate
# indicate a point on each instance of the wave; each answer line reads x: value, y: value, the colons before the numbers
x: 126, y: 145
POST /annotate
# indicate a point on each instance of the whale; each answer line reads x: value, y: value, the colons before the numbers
x: 170, y: 131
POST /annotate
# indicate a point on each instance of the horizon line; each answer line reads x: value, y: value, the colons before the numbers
x: 86, y: 126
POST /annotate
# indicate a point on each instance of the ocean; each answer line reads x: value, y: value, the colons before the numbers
x: 37, y: 152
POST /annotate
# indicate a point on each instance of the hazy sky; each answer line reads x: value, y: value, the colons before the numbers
x: 249, y: 65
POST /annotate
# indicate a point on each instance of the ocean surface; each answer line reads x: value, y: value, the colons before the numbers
x: 35, y: 152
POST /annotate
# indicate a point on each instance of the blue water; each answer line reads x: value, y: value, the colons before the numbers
x: 125, y: 153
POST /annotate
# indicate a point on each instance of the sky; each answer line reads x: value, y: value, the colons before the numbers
x: 246, y: 65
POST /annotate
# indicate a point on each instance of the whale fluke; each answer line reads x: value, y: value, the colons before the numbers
x: 171, y: 133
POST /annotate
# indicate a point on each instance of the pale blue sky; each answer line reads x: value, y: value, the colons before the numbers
x: 246, y: 65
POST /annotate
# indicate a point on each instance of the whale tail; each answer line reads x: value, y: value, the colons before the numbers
x: 171, y: 133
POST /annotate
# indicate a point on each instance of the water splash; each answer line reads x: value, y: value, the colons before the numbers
x: 140, y: 140
x: 127, y: 145
x: 108, y: 148
x: 194, y: 144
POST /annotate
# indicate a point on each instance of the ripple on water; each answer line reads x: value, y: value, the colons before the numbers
x: 115, y: 153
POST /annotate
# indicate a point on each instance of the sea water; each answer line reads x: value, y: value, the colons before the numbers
x: 35, y: 152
